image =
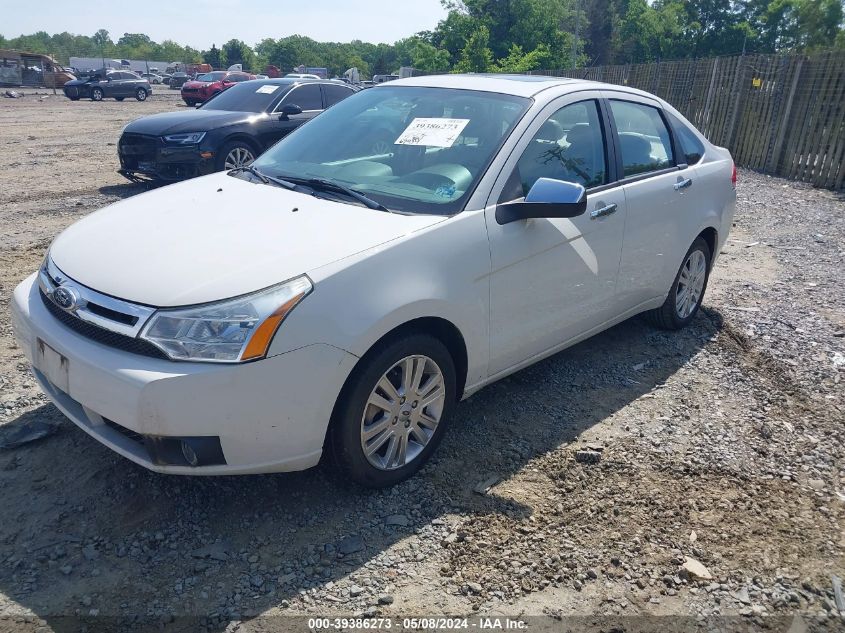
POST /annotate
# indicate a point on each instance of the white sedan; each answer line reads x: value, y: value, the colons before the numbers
x: 329, y: 299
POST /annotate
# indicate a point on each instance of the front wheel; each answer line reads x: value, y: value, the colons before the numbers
x: 235, y: 154
x: 141, y: 94
x: 392, y: 414
x: 97, y: 94
x: 687, y: 291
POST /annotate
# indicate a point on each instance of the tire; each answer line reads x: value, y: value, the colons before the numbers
x: 230, y: 152
x: 675, y: 313
x: 119, y: 98
x: 400, y: 425
x: 141, y: 94
x: 97, y: 94
x: 74, y: 98
x: 190, y: 103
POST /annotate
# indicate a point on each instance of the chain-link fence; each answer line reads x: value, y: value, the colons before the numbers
x: 780, y: 114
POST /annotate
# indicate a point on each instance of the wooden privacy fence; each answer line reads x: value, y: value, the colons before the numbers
x: 780, y: 114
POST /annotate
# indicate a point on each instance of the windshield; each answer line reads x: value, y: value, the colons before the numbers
x: 211, y: 77
x: 411, y: 149
x: 249, y: 96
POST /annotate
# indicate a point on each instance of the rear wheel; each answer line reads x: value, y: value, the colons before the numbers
x: 687, y: 291
x: 97, y: 94
x: 141, y: 94
x: 235, y: 154
x: 391, y: 415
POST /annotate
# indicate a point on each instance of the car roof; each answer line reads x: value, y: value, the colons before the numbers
x: 287, y: 81
x: 517, y: 85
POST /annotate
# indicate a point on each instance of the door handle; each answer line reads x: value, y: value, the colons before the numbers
x: 600, y: 213
x: 686, y: 182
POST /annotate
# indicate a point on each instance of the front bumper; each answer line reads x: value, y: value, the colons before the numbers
x: 148, y: 157
x: 270, y: 415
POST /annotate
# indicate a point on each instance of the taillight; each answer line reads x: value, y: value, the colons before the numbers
x: 733, y: 175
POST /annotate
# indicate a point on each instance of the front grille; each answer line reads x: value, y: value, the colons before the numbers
x: 100, y: 335
x: 135, y: 148
x: 190, y: 89
x: 127, y: 433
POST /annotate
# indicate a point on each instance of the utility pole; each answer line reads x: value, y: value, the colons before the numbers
x: 577, y: 33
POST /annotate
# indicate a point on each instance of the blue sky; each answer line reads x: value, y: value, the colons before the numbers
x: 200, y: 23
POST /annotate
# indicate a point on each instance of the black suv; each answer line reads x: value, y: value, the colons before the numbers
x: 118, y: 84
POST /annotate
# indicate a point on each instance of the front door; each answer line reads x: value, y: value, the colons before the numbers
x: 554, y: 279
x: 308, y: 97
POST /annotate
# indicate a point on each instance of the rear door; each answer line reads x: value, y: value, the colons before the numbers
x: 660, y: 191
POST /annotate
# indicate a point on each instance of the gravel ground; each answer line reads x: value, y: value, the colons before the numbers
x: 699, y: 473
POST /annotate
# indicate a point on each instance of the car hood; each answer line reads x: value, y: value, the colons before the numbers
x: 217, y: 237
x: 77, y: 82
x: 188, y: 121
x: 196, y: 84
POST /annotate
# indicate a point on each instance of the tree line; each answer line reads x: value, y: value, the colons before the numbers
x: 510, y: 36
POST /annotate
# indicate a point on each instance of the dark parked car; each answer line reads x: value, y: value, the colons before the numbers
x: 228, y: 131
x: 117, y: 84
x: 177, y: 79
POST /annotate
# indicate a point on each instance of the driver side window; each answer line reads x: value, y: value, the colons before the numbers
x: 568, y: 146
x: 307, y: 97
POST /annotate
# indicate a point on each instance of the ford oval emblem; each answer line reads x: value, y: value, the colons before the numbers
x: 66, y: 298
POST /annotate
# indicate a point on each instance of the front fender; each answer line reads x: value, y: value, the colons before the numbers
x: 441, y: 271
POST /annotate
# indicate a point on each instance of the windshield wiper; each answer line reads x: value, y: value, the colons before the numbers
x: 331, y: 185
x: 267, y: 179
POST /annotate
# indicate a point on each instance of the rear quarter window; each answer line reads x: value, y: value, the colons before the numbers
x: 691, y: 146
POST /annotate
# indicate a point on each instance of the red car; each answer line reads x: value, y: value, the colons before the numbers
x: 206, y: 86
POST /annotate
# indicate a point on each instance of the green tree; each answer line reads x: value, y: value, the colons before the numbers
x: 212, y: 57
x: 476, y: 56
x: 236, y: 52
x: 519, y: 62
x: 429, y: 58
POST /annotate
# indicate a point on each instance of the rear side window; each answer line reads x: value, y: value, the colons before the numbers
x: 691, y: 145
x: 643, y: 138
x: 306, y: 97
x: 334, y: 93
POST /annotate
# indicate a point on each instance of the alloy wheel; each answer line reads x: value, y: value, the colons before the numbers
x: 96, y: 94
x: 380, y: 147
x: 238, y: 157
x: 402, y: 412
x: 690, y: 284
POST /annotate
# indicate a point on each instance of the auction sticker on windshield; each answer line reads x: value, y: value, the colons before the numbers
x: 267, y: 89
x: 432, y: 132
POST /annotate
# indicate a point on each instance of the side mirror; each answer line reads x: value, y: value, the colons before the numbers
x: 548, y: 198
x: 289, y: 109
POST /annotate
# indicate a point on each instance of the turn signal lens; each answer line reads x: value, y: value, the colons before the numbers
x: 733, y: 176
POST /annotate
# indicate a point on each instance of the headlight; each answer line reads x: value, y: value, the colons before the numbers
x: 188, y: 138
x: 228, y: 331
